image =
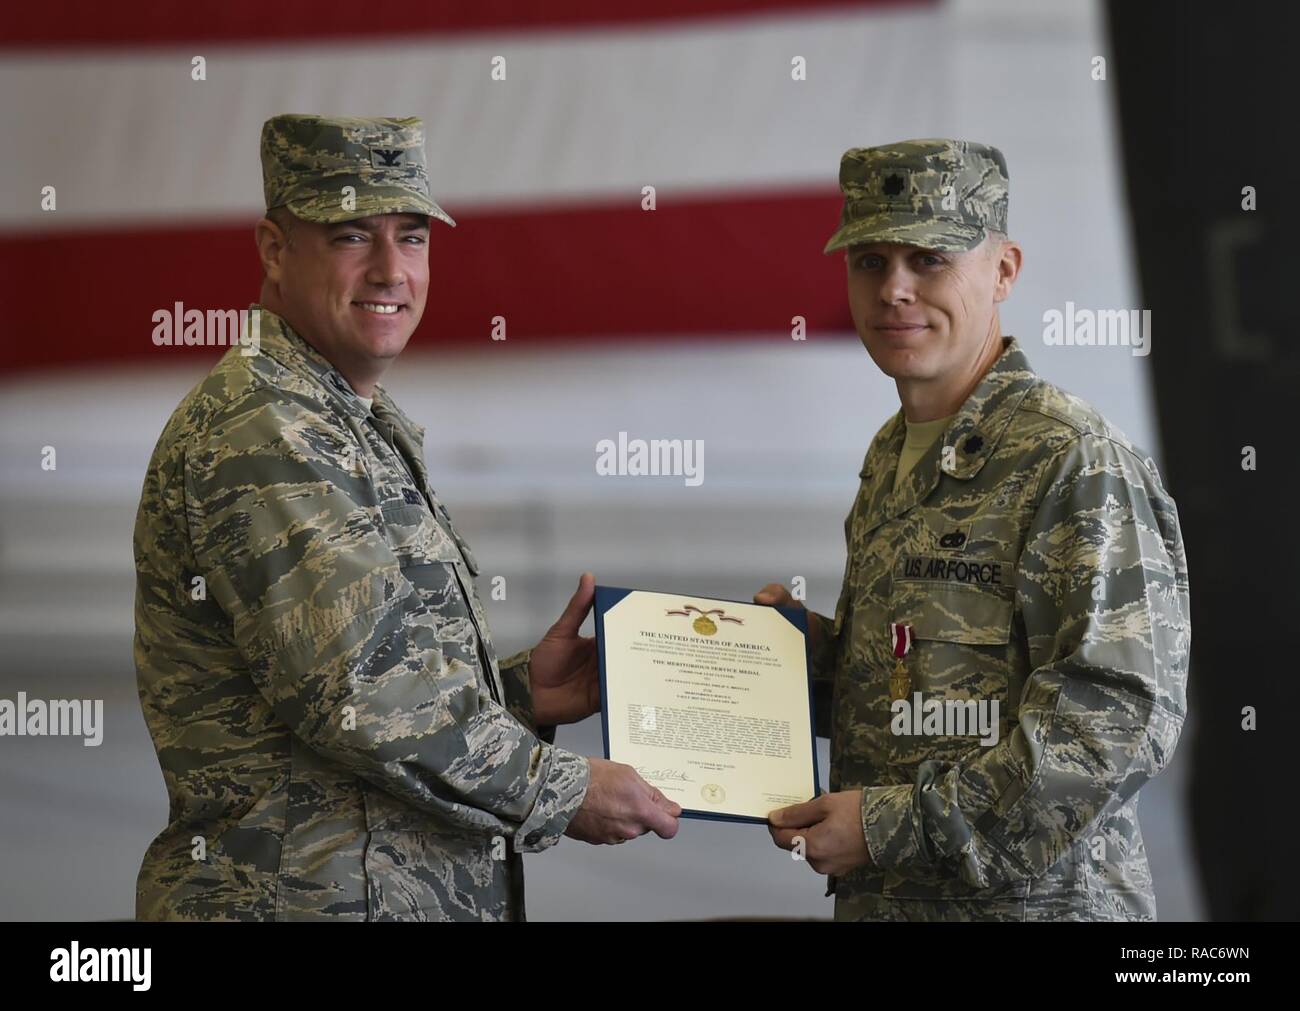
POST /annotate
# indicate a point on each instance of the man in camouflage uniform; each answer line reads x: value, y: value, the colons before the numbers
x: 1028, y: 553
x: 337, y: 736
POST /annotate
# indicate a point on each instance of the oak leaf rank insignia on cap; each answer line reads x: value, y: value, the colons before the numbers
x: 938, y: 194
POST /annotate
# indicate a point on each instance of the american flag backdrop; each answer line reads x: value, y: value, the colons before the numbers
x: 542, y: 135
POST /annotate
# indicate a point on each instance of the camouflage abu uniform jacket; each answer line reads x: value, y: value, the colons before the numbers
x: 1039, y: 561
x: 329, y: 714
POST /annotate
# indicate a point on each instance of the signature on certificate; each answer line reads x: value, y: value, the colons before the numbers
x: 681, y: 775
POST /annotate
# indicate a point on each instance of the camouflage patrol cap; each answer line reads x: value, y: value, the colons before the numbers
x: 308, y: 160
x: 938, y: 194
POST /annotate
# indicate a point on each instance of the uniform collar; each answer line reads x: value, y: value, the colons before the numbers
x: 280, y: 341
x: 983, y: 419
x: 967, y: 443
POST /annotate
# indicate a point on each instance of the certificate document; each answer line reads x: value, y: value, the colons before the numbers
x: 708, y: 700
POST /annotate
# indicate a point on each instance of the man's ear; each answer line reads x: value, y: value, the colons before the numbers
x: 1007, y: 264
x: 271, y: 245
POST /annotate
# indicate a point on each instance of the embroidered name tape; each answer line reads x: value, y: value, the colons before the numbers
x: 969, y: 571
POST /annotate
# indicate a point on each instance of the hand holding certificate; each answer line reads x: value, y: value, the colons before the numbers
x: 564, y: 687
x: 708, y: 700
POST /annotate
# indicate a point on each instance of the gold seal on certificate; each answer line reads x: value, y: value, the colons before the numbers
x: 708, y: 700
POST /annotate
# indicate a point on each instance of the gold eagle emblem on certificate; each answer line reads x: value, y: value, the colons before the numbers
x: 704, y: 623
x: 713, y: 793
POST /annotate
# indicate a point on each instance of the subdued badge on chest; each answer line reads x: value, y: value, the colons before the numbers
x: 953, y: 538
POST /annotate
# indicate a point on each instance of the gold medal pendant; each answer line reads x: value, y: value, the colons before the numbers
x: 900, y: 682
x: 900, y: 642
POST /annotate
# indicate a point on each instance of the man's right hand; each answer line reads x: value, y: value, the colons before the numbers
x: 777, y: 595
x: 619, y: 805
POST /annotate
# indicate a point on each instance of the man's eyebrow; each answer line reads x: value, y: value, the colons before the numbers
x: 867, y: 248
x: 354, y: 224
x: 371, y: 227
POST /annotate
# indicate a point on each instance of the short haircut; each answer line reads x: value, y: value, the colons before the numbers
x: 284, y: 220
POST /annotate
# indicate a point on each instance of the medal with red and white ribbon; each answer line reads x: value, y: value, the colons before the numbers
x: 900, y: 639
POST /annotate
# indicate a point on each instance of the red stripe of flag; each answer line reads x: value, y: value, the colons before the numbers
x: 80, y: 23
x: 701, y: 267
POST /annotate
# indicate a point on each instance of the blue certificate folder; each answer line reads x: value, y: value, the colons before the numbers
x: 608, y: 596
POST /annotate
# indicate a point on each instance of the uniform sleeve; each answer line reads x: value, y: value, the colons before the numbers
x: 515, y: 678
x: 821, y: 668
x: 288, y: 536
x: 826, y: 658
x: 1102, y: 587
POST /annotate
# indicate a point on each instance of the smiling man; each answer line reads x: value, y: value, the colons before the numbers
x: 1008, y: 658
x: 337, y: 736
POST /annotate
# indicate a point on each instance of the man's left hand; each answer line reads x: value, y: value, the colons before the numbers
x: 831, y: 828
x: 564, y: 673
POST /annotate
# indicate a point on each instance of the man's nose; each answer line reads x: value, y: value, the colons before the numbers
x: 896, y: 286
x: 385, y: 268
